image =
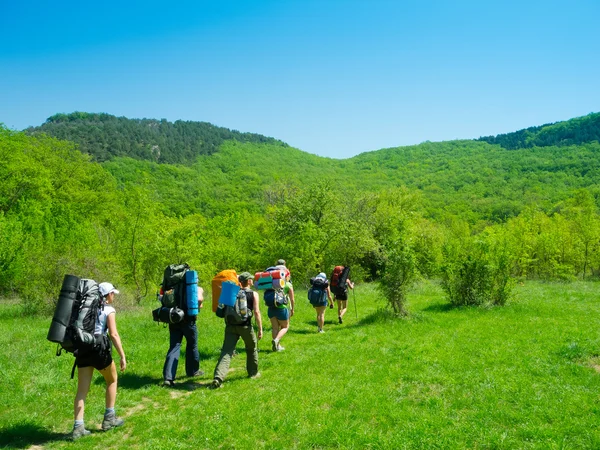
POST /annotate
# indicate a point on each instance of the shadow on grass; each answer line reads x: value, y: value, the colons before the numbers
x: 24, y: 435
x: 133, y: 381
x: 440, y: 307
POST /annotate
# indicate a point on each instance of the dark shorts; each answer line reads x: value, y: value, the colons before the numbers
x: 99, y: 358
x: 342, y: 296
x: 278, y: 313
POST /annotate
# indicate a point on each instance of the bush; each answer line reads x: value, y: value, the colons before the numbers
x: 477, y: 276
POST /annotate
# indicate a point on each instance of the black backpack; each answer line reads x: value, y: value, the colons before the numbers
x: 74, y: 323
x: 173, y: 300
x: 317, y: 293
x: 239, y: 313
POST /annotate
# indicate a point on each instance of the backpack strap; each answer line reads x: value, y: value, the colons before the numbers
x: 58, y: 350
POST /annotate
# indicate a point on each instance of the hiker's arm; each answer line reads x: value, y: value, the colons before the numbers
x: 329, y: 294
x: 350, y: 283
x: 116, y: 340
x: 200, y: 297
x: 257, y: 315
x: 292, y: 302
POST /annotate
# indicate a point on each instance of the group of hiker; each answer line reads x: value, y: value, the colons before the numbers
x: 238, y: 324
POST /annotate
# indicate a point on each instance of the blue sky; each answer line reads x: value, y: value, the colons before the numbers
x: 330, y: 77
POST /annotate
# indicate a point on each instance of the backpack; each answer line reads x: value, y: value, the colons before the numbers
x: 275, y: 298
x: 338, y: 280
x: 173, y: 301
x: 217, y: 285
x: 239, y: 313
x: 317, y: 293
x: 74, y: 323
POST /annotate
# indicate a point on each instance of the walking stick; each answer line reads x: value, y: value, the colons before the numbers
x: 354, y: 298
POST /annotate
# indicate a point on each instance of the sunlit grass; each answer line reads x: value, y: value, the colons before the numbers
x: 520, y: 376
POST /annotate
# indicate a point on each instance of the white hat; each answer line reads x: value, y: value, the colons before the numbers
x: 107, y: 288
x: 322, y: 275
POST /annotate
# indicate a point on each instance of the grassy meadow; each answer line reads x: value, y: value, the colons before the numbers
x: 523, y: 376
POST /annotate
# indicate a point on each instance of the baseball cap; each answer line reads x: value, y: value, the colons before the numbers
x: 106, y: 288
x: 245, y: 276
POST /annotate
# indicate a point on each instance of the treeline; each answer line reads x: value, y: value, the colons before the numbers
x: 249, y: 204
x: 104, y: 137
x: 570, y: 132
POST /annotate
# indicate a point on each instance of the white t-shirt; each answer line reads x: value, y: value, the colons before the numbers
x: 101, y: 325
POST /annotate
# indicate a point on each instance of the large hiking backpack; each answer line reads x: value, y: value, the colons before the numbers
x: 75, y: 317
x: 239, y: 313
x: 339, y: 277
x: 317, y: 293
x: 179, y: 297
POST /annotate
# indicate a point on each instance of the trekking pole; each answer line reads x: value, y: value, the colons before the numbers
x: 354, y: 298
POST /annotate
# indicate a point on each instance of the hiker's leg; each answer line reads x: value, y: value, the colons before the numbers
x: 172, y: 359
x: 84, y: 380
x: 283, y: 328
x: 192, y: 355
x: 274, y: 326
x: 320, y: 316
x: 110, y: 376
x: 229, y: 342
x: 249, y: 336
x: 342, y: 307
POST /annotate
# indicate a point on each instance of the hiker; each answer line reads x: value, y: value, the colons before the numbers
x: 177, y: 331
x: 280, y: 315
x: 100, y: 358
x: 341, y: 296
x: 242, y: 330
x: 319, y: 295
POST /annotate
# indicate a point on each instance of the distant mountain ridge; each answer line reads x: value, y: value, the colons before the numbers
x: 105, y: 136
x: 575, y: 131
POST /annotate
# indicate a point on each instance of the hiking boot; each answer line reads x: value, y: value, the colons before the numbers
x: 275, y: 344
x: 256, y: 375
x: 280, y: 348
x: 198, y: 373
x: 168, y: 383
x: 111, y: 421
x: 340, y: 319
x: 216, y: 384
x: 79, y: 431
x: 321, y: 330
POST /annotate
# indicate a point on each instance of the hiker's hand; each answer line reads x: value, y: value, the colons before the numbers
x: 291, y: 312
x: 123, y: 364
x: 259, y: 335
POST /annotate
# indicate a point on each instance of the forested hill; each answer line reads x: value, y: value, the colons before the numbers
x: 105, y: 136
x: 570, y: 132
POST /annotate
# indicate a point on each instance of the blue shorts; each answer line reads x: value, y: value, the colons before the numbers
x: 278, y: 313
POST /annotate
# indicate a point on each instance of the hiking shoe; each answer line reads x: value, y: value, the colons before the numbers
x: 321, y: 330
x: 280, y: 348
x: 79, y: 431
x: 216, y: 384
x: 256, y: 375
x: 168, y: 383
x: 111, y: 421
x: 340, y: 319
x: 274, y: 344
x: 198, y: 373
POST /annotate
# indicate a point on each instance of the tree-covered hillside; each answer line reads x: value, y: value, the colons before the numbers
x: 105, y: 136
x: 432, y: 210
x: 570, y: 132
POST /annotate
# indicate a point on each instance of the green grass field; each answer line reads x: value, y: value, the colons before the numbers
x: 516, y: 377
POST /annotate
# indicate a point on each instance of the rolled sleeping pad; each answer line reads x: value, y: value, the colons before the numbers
x: 64, y: 308
x: 278, y: 283
x: 191, y: 292
x: 217, y: 281
x: 229, y: 292
x: 264, y: 282
x: 168, y: 315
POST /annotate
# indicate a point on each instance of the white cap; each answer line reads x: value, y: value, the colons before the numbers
x: 322, y: 275
x: 107, y: 288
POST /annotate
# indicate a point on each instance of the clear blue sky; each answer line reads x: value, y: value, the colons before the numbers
x: 330, y: 77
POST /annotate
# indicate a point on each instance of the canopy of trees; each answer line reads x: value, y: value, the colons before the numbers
x: 430, y: 210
